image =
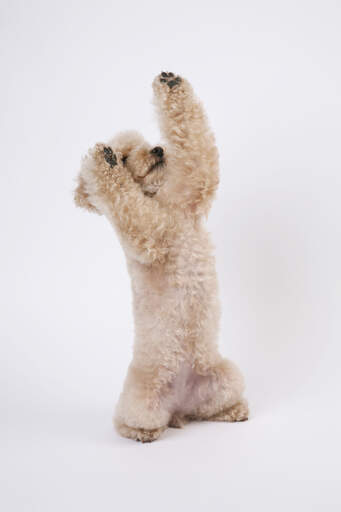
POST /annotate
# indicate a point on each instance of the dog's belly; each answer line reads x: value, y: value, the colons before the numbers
x: 187, y: 391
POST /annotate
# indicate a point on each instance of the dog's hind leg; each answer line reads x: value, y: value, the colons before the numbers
x: 222, y: 390
x: 141, y: 414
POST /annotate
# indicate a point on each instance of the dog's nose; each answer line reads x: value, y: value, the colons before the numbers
x: 158, y: 151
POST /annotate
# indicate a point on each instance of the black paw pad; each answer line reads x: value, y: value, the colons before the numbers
x: 170, y: 79
x: 165, y: 75
x: 109, y: 156
x: 174, y: 82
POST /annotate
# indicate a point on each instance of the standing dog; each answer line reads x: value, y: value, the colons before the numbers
x: 156, y: 197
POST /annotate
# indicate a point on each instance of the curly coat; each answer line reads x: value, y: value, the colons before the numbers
x: 156, y: 199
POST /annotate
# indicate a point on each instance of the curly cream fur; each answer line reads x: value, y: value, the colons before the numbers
x: 156, y: 206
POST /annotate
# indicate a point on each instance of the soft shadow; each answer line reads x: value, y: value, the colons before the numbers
x: 274, y: 298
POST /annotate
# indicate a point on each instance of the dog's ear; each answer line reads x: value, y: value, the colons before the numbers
x: 81, y: 197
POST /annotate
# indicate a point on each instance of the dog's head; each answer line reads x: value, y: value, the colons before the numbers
x: 147, y: 164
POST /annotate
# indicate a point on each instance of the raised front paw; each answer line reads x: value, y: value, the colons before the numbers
x: 102, y: 170
x: 170, y: 79
x: 109, y: 156
x: 104, y: 154
x: 169, y: 87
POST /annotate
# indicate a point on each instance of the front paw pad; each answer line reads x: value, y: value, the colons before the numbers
x: 109, y: 156
x: 170, y: 79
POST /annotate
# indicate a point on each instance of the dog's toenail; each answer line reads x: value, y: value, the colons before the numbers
x: 164, y: 74
x: 170, y: 74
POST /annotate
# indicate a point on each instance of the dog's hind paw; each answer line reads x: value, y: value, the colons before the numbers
x: 140, y: 434
x: 237, y: 412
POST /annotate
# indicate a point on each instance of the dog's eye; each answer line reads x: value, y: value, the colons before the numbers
x: 124, y: 158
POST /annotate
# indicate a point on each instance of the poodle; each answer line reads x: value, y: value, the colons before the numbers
x: 156, y: 199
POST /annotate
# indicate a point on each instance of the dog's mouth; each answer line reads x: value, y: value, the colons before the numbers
x: 153, y: 179
x: 157, y: 165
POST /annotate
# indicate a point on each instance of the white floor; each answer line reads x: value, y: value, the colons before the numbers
x: 68, y: 458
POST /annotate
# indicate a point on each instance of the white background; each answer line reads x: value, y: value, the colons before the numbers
x: 74, y: 73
